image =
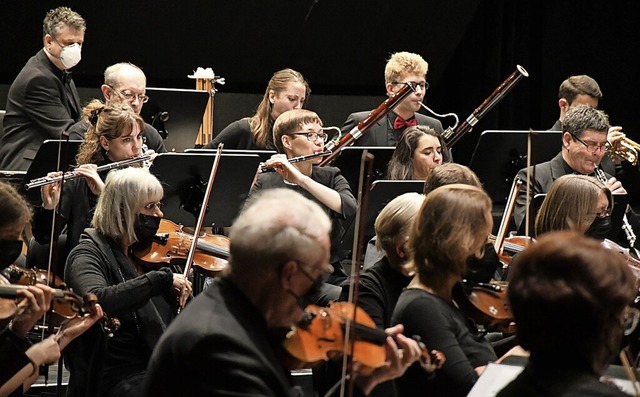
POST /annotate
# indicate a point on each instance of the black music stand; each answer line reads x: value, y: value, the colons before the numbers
x: 380, y: 193
x: 185, y: 175
x: 46, y: 160
x: 349, y: 163
x: 263, y: 154
x: 176, y: 112
x: 499, y: 155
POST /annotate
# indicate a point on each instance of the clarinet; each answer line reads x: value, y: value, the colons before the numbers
x: 626, y: 226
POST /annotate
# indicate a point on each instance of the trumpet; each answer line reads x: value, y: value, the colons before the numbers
x: 625, y: 149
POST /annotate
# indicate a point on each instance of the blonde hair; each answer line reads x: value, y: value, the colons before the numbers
x: 394, y: 222
x: 125, y: 193
x: 448, y: 231
x: 14, y: 210
x: 401, y: 64
x: 110, y: 121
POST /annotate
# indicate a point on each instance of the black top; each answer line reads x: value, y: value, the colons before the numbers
x: 143, y: 304
x: 442, y: 327
x: 238, y: 135
x: 557, y: 381
x: 152, y: 138
x: 12, y: 351
x: 327, y: 176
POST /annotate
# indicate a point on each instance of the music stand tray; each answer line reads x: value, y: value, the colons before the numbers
x: 185, y: 175
x: 264, y: 154
x: 499, y: 155
x: 349, y: 163
x: 185, y: 110
x: 46, y: 160
x: 380, y: 193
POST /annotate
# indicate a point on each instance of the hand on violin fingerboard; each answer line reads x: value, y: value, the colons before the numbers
x: 35, y: 301
x: 76, y: 326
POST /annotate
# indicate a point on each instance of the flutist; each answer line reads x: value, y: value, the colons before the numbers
x: 299, y: 133
x: 114, y: 135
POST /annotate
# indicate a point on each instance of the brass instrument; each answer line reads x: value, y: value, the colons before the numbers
x: 625, y: 149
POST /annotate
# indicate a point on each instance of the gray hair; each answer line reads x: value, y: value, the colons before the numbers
x: 582, y: 118
x: 113, y: 72
x: 125, y: 193
x: 278, y: 225
x: 60, y: 17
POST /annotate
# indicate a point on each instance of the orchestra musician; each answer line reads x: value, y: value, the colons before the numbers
x: 228, y: 341
x: 401, y: 67
x: 114, y: 134
x: 124, y: 82
x: 584, y: 143
x: 570, y: 298
x: 419, y: 150
x: 297, y: 133
x: 450, y: 229
x: 21, y: 361
x: 287, y: 90
x: 43, y: 101
x: 127, y: 214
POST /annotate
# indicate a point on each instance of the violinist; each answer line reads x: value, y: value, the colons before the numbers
x: 114, y: 134
x: 287, y: 90
x: 450, y: 229
x: 297, y: 133
x: 570, y: 299
x: 127, y: 214
x: 21, y: 360
x: 402, y: 67
x: 419, y: 150
x: 228, y: 341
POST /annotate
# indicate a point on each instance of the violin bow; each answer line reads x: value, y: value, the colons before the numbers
x: 364, y: 185
x: 203, y: 211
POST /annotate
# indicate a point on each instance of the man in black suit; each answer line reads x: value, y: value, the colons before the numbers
x: 584, y: 144
x: 401, y: 67
x: 43, y: 101
x: 228, y: 340
x: 124, y: 82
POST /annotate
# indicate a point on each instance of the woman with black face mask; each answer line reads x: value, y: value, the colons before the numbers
x: 128, y: 213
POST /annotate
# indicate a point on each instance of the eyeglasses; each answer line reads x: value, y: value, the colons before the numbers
x: 415, y: 84
x: 592, y: 147
x: 130, y: 96
x: 326, y: 271
x: 630, y: 321
x: 313, y: 136
x: 153, y: 206
x: 603, y: 214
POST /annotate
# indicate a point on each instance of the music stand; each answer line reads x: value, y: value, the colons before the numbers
x: 499, y: 155
x: 184, y: 111
x: 263, y: 154
x: 46, y: 160
x: 349, y: 163
x: 184, y: 177
x: 380, y: 193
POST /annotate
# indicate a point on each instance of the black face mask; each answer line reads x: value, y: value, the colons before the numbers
x: 10, y: 250
x: 312, y: 295
x: 483, y: 269
x: 599, y: 228
x: 146, y: 227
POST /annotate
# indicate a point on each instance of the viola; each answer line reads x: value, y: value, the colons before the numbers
x: 510, y: 247
x: 66, y: 304
x: 321, y: 334
x: 633, y: 263
x: 486, y: 304
x: 171, y: 246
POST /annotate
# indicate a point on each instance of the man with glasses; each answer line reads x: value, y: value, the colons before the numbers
x: 125, y: 83
x: 584, y: 144
x: 43, y: 101
x: 402, y: 67
x: 298, y: 133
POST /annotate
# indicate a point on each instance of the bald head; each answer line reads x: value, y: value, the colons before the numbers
x: 125, y: 83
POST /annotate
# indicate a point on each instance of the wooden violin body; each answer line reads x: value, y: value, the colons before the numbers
x: 486, y: 304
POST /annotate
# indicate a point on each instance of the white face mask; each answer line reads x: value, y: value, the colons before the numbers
x: 71, y: 55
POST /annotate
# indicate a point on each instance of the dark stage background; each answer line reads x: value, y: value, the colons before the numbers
x: 341, y: 47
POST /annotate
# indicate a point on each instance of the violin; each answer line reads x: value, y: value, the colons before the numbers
x: 633, y: 263
x: 66, y: 304
x: 321, y: 334
x: 171, y: 246
x: 510, y: 247
x: 486, y: 304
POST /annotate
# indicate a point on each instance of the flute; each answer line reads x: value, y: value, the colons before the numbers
x: 47, y: 180
x: 270, y: 168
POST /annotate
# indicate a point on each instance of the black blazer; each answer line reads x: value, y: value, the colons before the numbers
x: 37, y: 109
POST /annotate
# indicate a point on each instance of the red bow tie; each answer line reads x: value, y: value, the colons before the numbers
x: 401, y: 123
